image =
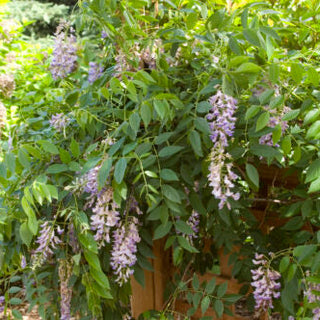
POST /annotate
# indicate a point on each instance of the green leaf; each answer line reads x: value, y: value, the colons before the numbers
x: 291, y: 115
x: 75, y: 149
x: 24, y: 158
x: 202, y: 125
x: 222, y: 289
x: 192, y: 20
x: 169, y: 151
x: 252, y: 111
x: 100, y: 277
x: 120, y: 169
x: 210, y: 286
x: 103, y: 173
x: 276, y: 134
x: 185, y: 244
x: 17, y: 314
x: 92, y: 259
x: 163, y: 137
x: 205, y: 304
x: 251, y: 36
x: 146, y: 115
x: 25, y: 234
x: 48, y: 146
x: 286, y: 145
x: 183, y: 227
x: 313, y: 171
x: 248, y: 67
x: 168, y: 175
x: 218, y: 308
x: 311, y: 116
x: 134, y: 121
x: 265, y: 97
x: 162, y: 230
x: 162, y: 108
x: 87, y: 240
x: 296, y: 154
x: 297, y: 72
x: 306, y: 208
x: 314, y: 131
x: 15, y: 301
x: 32, y: 220
x: 57, y: 168
x: 303, y: 253
x: 284, y: 264
x: 252, y: 174
x: 14, y: 290
x: 262, y: 121
x: 171, y: 193
x: 313, y: 76
x: 195, y: 141
x: 294, y: 223
x: 234, y: 45
x: 195, y: 282
x: 292, y: 271
x: 65, y: 156
x: 314, y: 186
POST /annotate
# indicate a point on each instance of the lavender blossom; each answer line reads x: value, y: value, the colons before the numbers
x: 134, y: 205
x: 104, y: 35
x: 312, y: 294
x: 23, y: 262
x: 95, y: 72
x: 64, y: 59
x: 222, y: 116
x: 59, y: 121
x: 47, y: 241
x: 274, y: 121
x: 2, y: 303
x: 106, y: 215
x: 222, y: 126
x: 90, y: 180
x: 65, y: 271
x: 193, y: 222
x: 123, y: 255
x: 265, y: 284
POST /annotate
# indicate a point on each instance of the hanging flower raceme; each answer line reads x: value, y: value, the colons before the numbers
x: 59, y: 121
x: 65, y: 271
x: 64, y: 59
x: 193, y: 222
x: 123, y: 255
x: 222, y: 125
x: 48, y: 241
x: 2, y: 302
x: 106, y: 216
x: 90, y: 181
x: 265, y: 283
x: 312, y: 293
x: 95, y: 72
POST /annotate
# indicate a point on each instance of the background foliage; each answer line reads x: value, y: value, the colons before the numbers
x: 142, y: 126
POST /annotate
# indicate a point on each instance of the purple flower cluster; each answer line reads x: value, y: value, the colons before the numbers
x: 193, y: 222
x: 90, y: 180
x: 274, y: 121
x: 123, y: 255
x: 23, y: 262
x: 106, y: 215
x: 2, y: 302
x: 64, y: 59
x: 59, y: 121
x: 265, y: 283
x: 312, y: 293
x: 222, y: 117
x: 95, y: 72
x: 47, y: 241
x: 222, y: 125
x: 65, y: 271
x: 104, y: 35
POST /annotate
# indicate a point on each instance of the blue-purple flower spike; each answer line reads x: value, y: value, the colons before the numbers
x: 95, y: 72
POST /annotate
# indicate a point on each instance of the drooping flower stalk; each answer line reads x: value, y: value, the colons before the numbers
x: 90, y: 181
x: 123, y: 255
x: 266, y: 287
x: 47, y: 241
x: 59, y: 121
x: 193, y: 222
x: 2, y: 303
x: 312, y: 293
x: 64, y: 59
x: 222, y: 125
x: 95, y: 72
x: 106, y: 215
x: 65, y: 271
